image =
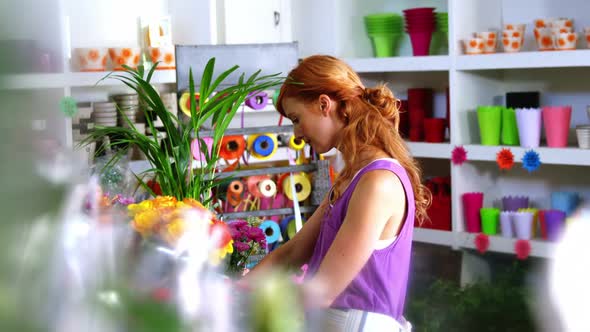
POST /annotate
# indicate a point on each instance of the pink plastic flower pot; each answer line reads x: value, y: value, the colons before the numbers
x: 557, y: 124
x: 420, y: 42
x: 472, y: 204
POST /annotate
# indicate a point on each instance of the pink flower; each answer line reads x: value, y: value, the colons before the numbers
x: 256, y: 234
x: 126, y: 200
x: 522, y: 249
x: 482, y: 243
x: 238, y: 224
x: 235, y: 234
x: 241, y: 246
x: 458, y: 155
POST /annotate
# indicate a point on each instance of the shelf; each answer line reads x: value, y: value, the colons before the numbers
x: 465, y: 240
x: 33, y: 81
x: 263, y: 171
x: 252, y: 130
x: 433, y: 236
x: 430, y: 150
x: 79, y: 79
x: 139, y: 166
x: 554, y: 156
x: 506, y: 245
x: 267, y: 213
x: 400, y: 64
x: 551, y: 59
x: 90, y: 79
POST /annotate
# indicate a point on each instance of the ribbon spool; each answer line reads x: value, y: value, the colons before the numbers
x: 302, y: 187
x: 296, y: 143
x: 281, y: 181
x: 288, y: 228
x: 196, y: 148
x: 232, y: 147
x: 271, y: 231
x: 185, y: 103
x: 252, y: 184
x: 262, y: 147
x: 267, y: 188
x: 257, y: 100
x: 234, y: 193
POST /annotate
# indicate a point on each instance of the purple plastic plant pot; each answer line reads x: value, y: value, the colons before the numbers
x: 513, y: 203
x: 554, y: 222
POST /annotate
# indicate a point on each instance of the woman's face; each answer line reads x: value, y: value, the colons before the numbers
x: 316, y: 122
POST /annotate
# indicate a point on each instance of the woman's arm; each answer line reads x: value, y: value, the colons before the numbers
x: 377, y: 197
x: 296, y: 251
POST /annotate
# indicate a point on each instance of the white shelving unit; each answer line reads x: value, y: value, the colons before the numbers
x: 476, y: 80
x: 542, y: 249
x: 405, y: 64
x: 524, y: 60
x: 430, y: 150
x: 553, y: 156
x: 463, y: 240
x: 76, y: 80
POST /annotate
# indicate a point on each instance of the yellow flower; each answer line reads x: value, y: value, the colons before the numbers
x: 174, y: 230
x: 217, y: 255
x: 193, y: 202
x: 145, y: 221
x: 161, y: 202
x: 228, y: 249
x: 135, y: 209
x: 183, y: 206
x: 169, y: 214
x: 105, y: 202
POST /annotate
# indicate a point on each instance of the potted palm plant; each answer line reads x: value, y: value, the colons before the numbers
x: 173, y: 168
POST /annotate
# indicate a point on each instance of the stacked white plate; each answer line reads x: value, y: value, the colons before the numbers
x: 105, y: 114
x: 128, y: 106
x: 583, y: 133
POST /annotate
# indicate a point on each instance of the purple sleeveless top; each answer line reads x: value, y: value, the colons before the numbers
x: 381, y: 284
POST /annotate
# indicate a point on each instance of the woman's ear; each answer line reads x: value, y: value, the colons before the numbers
x: 325, y: 104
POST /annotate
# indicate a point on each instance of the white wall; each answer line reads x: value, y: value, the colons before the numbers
x: 254, y: 21
x: 107, y: 23
x: 115, y: 23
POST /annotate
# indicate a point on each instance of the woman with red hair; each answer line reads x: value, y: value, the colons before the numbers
x: 358, y: 242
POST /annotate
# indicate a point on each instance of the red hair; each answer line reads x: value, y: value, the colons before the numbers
x: 371, y: 118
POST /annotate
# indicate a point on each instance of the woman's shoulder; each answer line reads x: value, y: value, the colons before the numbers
x: 379, y: 181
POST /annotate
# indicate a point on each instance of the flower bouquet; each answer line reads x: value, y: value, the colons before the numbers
x: 248, y: 240
x: 168, y: 220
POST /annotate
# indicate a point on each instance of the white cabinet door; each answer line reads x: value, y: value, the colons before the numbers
x: 256, y: 21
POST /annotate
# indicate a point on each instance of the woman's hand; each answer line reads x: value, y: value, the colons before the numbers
x: 296, y: 252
